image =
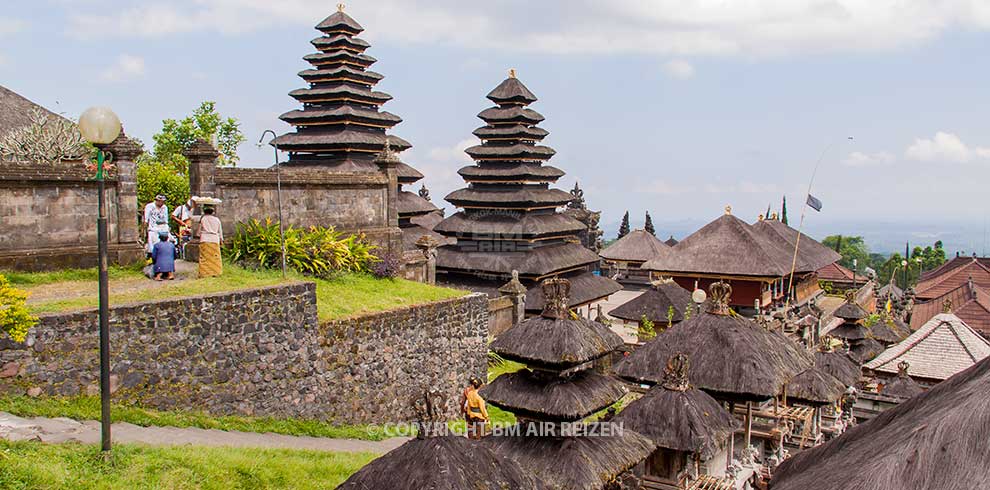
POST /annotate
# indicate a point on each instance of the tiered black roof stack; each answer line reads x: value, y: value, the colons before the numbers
x: 560, y: 386
x: 340, y: 124
x: 509, y: 217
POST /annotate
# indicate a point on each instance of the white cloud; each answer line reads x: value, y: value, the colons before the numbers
x: 127, y: 67
x: 679, y: 69
x: 452, y: 154
x: 581, y: 27
x: 944, y: 147
x: 860, y: 159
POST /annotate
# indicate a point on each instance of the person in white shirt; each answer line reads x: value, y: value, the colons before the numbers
x: 183, y: 216
x: 155, y: 221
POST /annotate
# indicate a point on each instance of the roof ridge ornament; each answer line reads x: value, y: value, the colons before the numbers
x: 728, y: 209
x: 719, y: 294
x: 556, y: 292
x: 947, y: 306
x: 340, y: 7
x: 902, y: 369
x: 512, y: 73
x: 675, y: 375
x: 387, y: 155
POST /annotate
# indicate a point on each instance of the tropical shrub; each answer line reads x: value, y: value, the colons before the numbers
x: 155, y: 177
x: 14, y: 317
x: 646, y: 329
x: 316, y: 251
x: 387, y: 267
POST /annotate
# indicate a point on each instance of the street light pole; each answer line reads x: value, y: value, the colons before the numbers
x: 100, y: 126
x: 278, y: 194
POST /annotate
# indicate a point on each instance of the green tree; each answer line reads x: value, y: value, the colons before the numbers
x: 850, y: 247
x: 624, y: 226
x: 178, y: 135
x: 783, y: 210
x: 649, y: 225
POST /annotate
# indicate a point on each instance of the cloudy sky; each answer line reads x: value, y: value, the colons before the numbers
x: 676, y: 107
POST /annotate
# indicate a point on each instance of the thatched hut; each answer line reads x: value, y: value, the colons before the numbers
x: 902, y: 387
x: 624, y: 257
x: 656, y: 304
x: 438, y: 460
x: 934, y: 440
x: 865, y: 350
x: 690, y: 428
x: 839, y: 365
x: 560, y: 386
x: 815, y: 387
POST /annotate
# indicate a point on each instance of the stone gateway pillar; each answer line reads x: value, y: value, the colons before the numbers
x: 125, y: 151
x: 202, y: 158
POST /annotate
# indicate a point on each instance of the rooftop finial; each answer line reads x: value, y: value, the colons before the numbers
x: 387, y: 155
x: 902, y: 369
x: 718, y: 295
x: 947, y: 306
x: 512, y: 73
x: 675, y: 376
x: 728, y: 210
x: 340, y: 7
x: 556, y: 292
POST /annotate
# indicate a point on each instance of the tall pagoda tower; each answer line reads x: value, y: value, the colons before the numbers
x: 340, y: 125
x: 509, y: 216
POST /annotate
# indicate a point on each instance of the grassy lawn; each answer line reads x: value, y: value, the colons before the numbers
x: 31, y: 465
x: 340, y: 297
x: 88, y: 408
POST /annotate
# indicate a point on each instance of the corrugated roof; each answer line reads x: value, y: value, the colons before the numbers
x: 943, y: 346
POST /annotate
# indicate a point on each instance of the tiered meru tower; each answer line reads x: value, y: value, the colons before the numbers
x: 509, y: 218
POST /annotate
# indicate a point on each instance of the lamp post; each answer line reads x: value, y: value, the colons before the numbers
x: 278, y: 193
x: 100, y: 126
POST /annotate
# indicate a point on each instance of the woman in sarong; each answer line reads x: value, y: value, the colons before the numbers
x: 210, y: 238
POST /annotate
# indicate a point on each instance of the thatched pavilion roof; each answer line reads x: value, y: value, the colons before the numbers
x: 678, y: 416
x: 902, y: 386
x: 865, y: 350
x: 554, y: 339
x: 726, y: 246
x: 637, y: 246
x: 585, y: 288
x: 886, y: 333
x: 850, y: 331
x: 670, y: 242
x: 934, y: 440
x: 812, y: 255
x: 850, y: 311
x: 574, y: 463
x: 442, y: 463
x: 546, y: 395
x: 840, y: 366
x: 731, y: 357
x: 655, y: 303
x: 815, y: 386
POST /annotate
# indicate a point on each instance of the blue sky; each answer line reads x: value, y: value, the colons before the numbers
x: 675, y: 107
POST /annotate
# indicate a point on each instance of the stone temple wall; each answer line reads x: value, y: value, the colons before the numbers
x: 48, y: 216
x: 258, y: 352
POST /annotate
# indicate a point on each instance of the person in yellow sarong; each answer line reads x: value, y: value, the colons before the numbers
x: 475, y: 413
x: 210, y: 237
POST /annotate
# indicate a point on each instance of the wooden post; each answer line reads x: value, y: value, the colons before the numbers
x: 732, y: 438
x: 749, y: 423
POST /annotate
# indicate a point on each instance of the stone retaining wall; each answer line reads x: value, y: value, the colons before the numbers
x: 258, y: 352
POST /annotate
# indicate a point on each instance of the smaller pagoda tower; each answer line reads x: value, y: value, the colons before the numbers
x: 559, y: 386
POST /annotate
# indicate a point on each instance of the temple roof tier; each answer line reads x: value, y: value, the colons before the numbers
x: 411, y: 204
x: 315, y: 116
x: 655, y: 303
x: 340, y: 23
x: 815, y: 387
x: 340, y: 94
x: 340, y: 41
x: 636, y: 246
x: 508, y: 226
x: 544, y: 395
x: 516, y: 171
x: 407, y: 174
x: 513, y: 132
x: 341, y: 74
x: 339, y: 57
x: 511, y: 91
x: 556, y: 343
x: 510, y: 152
x: 345, y: 140
x: 538, y: 262
x: 840, y: 366
x: 510, y: 115
x: 585, y: 288
x: 516, y: 198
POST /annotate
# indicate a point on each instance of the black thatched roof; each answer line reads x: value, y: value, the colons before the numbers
x: 815, y: 386
x: 548, y: 396
x: 850, y: 331
x: 670, y: 242
x: 15, y: 111
x: 509, y: 225
x: 511, y: 91
x: 556, y: 343
x: 655, y: 303
x: 585, y: 288
x: 410, y: 204
x: 726, y: 246
x: 730, y: 356
x: 574, y: 463
x: 902, y: 386
x: 413, y: 232
x: 840, y: 366
x: 510, y: 114
x: 886, y: 333
x: 936, y: 440
x: 865, y: 350
x: 538, y: 262
x: 339, y: 22
x: 680, y: 417
x: 636, y: 246
x: 530, y: 197
x: 521, y: 171
x: 516, y: 131
x: 407, y: 174
x: 812, y: 255
x: 442, y: 463
x: 850, y: 311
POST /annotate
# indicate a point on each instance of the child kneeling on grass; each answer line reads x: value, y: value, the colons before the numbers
x: 163, y: 256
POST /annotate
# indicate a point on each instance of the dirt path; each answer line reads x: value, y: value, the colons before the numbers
x: 78, y: 289
x: 59, y: 430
